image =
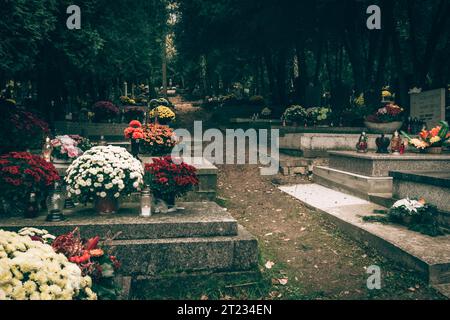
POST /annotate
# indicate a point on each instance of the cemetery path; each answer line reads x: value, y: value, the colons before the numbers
x: 309, y: 257
x: 317, y: 260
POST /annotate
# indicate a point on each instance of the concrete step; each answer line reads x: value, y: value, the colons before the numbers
x: 199, y: 219
x: 355, y: 184
x: 212, y: 254
x: 428, y: 255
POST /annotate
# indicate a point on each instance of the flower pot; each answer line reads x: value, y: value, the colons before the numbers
x: 433, y: 150
x: 106, y: 206
x: 386, y: 128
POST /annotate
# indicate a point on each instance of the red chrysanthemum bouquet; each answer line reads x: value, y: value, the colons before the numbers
x: 22, y: 173
x: 169, y: 179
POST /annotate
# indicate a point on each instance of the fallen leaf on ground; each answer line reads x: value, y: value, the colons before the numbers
x: 269, y: 265
x: 282, y: 281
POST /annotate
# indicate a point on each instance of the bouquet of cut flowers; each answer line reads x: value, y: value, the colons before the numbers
x: 168, y: 178
x: 103, y: 171
x: 435, y: 137
x: 389, y: 113
x: 158, y: 140
x: 69, y: 147
x: 32, y: 270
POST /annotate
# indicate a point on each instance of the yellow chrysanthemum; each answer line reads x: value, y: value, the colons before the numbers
x: 162, y: 112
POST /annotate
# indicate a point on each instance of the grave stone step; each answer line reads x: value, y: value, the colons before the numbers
x: 214, y: 254
x: 355, y: 184
x: 197, y: 220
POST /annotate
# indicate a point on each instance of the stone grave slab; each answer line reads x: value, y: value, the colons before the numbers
x: 379, y: 165
x: 204, y: 238
x: 428, y: 106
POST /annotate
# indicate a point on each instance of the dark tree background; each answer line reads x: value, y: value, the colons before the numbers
x: 280, y: 49
x: 118, y: 41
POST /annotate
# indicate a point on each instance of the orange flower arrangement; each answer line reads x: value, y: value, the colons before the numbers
x: 158, y: 140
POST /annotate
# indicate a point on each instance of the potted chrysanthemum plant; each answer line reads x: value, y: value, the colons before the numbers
x: 104, y: 174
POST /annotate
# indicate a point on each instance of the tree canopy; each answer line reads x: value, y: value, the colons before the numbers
x: 278, y: 49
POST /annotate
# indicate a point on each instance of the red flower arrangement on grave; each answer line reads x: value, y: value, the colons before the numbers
x: 435, y: 137
x: 134, y: 131
x: 105, y: 110
x: 167, y: 177
x: 23, y: 172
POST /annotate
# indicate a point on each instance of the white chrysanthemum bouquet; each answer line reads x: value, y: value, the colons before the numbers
x: 104, y: 172
x: 31, y: 270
